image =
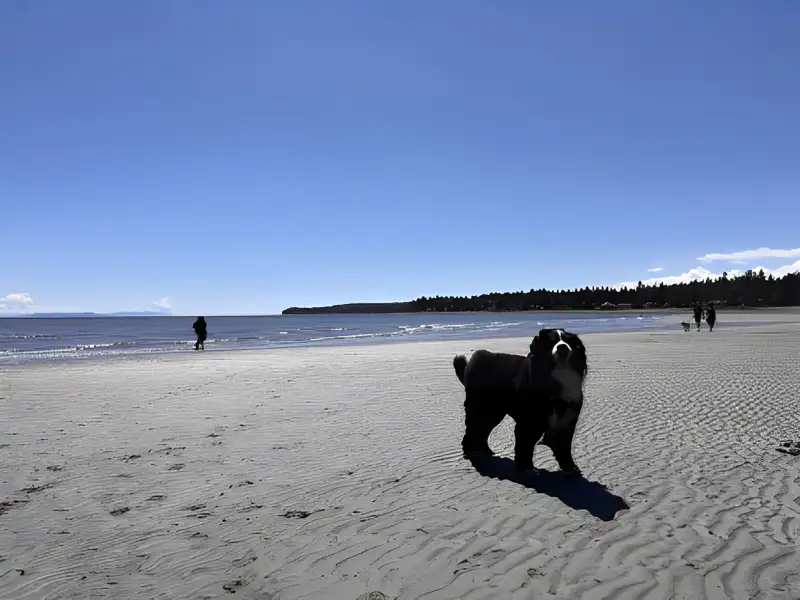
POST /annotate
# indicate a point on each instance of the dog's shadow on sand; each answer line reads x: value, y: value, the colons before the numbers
x: 573, y: 490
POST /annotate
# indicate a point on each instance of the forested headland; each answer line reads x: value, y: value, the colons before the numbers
x: 751, y: 289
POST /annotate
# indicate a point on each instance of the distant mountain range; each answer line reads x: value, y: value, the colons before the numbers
x: 85, y: 315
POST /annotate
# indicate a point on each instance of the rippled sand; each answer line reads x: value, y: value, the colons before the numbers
x: 329, y: 473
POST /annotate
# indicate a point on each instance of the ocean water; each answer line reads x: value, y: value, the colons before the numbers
x: 28, y: 339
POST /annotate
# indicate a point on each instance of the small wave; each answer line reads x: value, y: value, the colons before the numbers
x: 499, y: 326
x: 246, y: 338
x: 433, y: 326
x: 29, y: 336
x: 121, y: 344
x: 99, y: 346
x: 352, y: 336
x: 68, y: 349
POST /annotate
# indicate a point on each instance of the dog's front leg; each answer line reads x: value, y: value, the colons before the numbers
x: 561, y: 431
x: 526, y: 434
x: 560, y: 442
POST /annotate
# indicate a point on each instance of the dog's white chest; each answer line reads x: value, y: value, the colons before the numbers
x: 571, y: 384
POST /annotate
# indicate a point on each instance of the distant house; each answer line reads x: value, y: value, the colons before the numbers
x: 607, y: 306
x: 625, y: 305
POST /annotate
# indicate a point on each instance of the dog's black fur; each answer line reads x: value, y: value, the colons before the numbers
x: 532, y: 390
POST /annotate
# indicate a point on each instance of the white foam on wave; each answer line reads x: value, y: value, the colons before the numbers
x: 411, y: 329
x: 351, y: 336
x: 100, y: 346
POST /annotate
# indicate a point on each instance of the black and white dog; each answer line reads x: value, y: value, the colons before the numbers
x: 542, y: 392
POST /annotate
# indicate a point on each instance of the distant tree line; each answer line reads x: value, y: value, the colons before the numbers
x: 749, y: 289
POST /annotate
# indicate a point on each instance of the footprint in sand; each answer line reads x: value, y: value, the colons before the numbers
x: 231, y: 587
x: 300, y: 514
x: 38, y: 488
x: 169, y: 450
x: 7, y: 505
x: 790, y: 447
x: 176, y: 467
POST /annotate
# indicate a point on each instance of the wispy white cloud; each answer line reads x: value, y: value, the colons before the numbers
x: 16, y: 302
x: 19, y: 298
x: 747, y: 255
x: 655, y: 270
x: 701, y: 274
x: 162, y: 303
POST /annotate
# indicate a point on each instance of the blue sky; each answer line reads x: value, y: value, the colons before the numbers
x: 242, y: 157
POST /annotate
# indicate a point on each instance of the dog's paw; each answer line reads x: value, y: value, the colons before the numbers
x: 472, y: 453
x: 571, y: 470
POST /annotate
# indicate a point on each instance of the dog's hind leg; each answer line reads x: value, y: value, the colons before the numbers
x: 480, y: 417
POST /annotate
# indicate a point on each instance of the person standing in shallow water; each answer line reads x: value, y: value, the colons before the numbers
x: 698, y: 314
x: 711, y: 316
x: 201, y: 332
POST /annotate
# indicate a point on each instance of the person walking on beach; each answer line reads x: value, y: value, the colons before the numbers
x: 201, y: 332
x: 711, y: 316
x: 698, y: 314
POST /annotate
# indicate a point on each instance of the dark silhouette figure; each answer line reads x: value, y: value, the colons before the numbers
x: 711, y: 316
x: 698, y: 315
x: 201, y: 331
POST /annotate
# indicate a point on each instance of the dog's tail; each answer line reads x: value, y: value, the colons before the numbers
x: 460, y: 365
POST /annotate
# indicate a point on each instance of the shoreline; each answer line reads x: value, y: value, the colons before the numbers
x: 345, y: 336
x: 669, y: 324
x: 114, y: 343
x: 350, y: 348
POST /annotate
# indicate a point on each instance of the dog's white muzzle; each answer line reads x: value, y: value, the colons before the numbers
x: 562, y: 349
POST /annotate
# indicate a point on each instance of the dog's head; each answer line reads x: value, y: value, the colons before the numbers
x: 562, y: 348
x: 563, y: 355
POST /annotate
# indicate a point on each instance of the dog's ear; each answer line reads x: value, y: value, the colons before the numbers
x: 580, y: 357
x: 539, y: 340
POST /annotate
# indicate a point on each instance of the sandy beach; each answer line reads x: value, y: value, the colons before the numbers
x: 329, y: 473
